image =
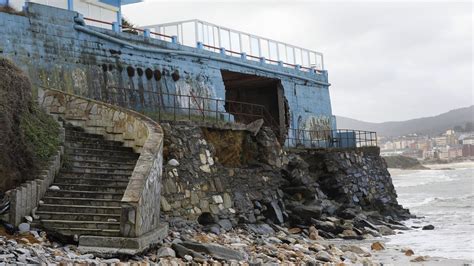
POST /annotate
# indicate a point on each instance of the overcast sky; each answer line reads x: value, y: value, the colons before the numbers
x: 386, y: 60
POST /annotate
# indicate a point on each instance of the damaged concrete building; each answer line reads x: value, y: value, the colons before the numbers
x: 223, y: 123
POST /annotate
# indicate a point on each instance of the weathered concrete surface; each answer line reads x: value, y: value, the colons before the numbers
x: 56, y: 55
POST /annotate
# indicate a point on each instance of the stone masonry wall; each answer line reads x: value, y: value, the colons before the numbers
x: 195, y: 181
x: 269, y: 185
x: 354, y: 177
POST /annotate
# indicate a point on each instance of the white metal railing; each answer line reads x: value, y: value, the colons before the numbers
x: 236, y: 43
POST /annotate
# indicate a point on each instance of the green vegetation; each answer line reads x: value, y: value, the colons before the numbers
x: 28, y: 136
x: 41, y: 133
x: 403, y: 162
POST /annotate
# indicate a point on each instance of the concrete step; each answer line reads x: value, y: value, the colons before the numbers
x: 91, y: 163
x: 87, y: 232
x: 79, y: 209
x: 82, y: 201
x: 73, y: 216
x: 98, y: 145
x: 100, y: 170
x: 92, y: 181
x: 84, y: 194
x: 101, y: 157
x: 101, y: 152
x: 80, y: 224
x: 102, y: 188
x: 107, y: 176
x: 72, y: 139
x: 78, y: 134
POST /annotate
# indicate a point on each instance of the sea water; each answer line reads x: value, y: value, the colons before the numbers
x: 442, y: 196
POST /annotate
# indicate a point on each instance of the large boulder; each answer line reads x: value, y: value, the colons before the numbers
x: 214, y: 250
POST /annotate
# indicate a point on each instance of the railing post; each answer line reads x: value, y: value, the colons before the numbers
x: 147, y: 33
x: 115, y: 27
x: 262, y: 60
x: 222, y: 50
x: 174, y: 39
x: 243, y: 56
x: 70, y: 5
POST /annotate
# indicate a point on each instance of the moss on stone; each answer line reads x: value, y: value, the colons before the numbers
x: 41, y: 133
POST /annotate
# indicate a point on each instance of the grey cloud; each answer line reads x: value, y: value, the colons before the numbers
x: 386, y: 60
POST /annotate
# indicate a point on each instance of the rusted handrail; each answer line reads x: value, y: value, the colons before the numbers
x: 98, y: 21
x: 171, y: 106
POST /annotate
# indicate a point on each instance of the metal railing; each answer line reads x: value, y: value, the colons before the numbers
x: 185, y: 107
x: 226, y: 41
x: 236, y: 43
x: 340, y: 138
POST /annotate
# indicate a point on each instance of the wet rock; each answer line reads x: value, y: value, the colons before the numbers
x: 377, y: 246
x: 173, y: 162
x: 165, y: 252
x: 225, y: 224
x: 328, y: 226
x: 385, y: 230
x: 214, y: 250
x: 212, y: 228
x: 428, y: 227
x: 182, y: 251
x: 313, y: 233
x: 348, y: 213
x: 261, y: 229
x: 307, y: 212
x: 294, y: 230
x: 356, y: 249
x: 323, y: 256
x: 24, y: 227
x: 408, y: 252
x: 419, y: 259
x: 29, y: 219
x: 274, y: 212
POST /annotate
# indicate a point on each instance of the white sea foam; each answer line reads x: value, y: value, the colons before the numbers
x: 445, y: 199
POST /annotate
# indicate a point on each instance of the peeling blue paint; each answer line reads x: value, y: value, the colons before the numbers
x: 46, y: 45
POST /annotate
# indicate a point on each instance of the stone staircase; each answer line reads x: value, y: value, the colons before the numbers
x: 91, y: 184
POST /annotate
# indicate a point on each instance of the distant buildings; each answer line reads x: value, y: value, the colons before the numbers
x: 448, y: 146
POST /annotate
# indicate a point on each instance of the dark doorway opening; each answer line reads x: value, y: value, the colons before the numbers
x: 264, y: 91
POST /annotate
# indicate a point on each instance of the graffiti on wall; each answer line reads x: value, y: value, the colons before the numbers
x: 319, y: 127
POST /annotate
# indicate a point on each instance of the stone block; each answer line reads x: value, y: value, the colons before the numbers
x: 227, y: 201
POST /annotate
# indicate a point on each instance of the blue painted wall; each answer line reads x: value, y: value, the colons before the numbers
x: 54, y: 54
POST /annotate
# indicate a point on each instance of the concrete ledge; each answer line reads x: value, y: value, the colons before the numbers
x: 104, y: 246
